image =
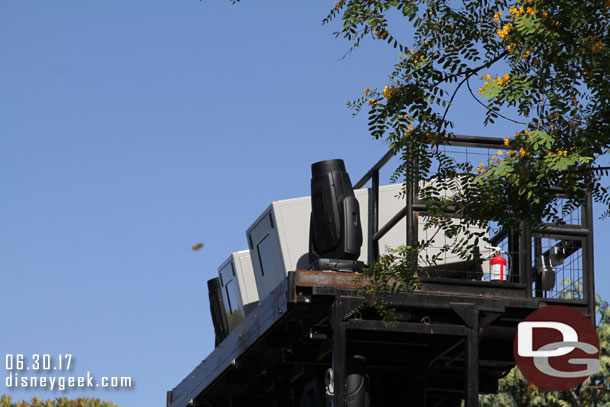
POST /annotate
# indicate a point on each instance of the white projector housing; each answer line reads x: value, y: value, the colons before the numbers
x: 239, y: 293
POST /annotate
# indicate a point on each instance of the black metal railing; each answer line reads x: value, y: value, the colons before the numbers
x: 376, y: 232
x: 521, y: 242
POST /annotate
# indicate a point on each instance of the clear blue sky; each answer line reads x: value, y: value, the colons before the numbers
x: 131, y: 130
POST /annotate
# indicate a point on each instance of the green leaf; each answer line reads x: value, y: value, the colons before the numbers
x: 492, y: 89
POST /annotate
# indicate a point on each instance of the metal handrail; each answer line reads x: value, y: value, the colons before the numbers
x: 376, y: 233
x: 375, y: 169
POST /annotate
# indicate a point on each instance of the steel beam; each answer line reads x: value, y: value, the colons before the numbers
x: 407, y: 327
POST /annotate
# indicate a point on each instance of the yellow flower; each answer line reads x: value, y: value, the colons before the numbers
x: 521, y: 152
x: 486, y: 83
x: 499, y: 13
x: 480, y: 90
x: 506, y: 141
x: 410, y: 127
x: 503, y: 32
x: 367, y: 90
x: 386, y: 92
x: 510, y: 152
x: 503, y: 80
x: 486, y: 77
x: 526, y: 131
x: 372, y: 102
x: 545, y: 14
x: 596, y: 47
x: 481, y: 165
x: 499, y: 152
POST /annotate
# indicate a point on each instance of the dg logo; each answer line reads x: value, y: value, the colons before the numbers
x: 556, y: 348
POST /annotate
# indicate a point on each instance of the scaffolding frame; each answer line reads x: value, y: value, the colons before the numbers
x: 452, y: 339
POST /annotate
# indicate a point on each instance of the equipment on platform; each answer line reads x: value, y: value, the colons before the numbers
x: 357, y: 382
x: 498, y: 270
x: 217, y: 309
x: 335, y: 232
x: 314, y: 340
x: 548, y: 261
x: 238, y: 286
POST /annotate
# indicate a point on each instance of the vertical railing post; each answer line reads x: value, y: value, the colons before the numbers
x: 374, y: 214
x: 515, y: 249
x: 588, y: 260
x: 538, y: 263
x: 526, y: 264
x: 412, y: 191
x: 409, y: 215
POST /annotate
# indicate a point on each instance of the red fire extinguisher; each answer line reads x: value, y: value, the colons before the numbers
x: 498, y: 270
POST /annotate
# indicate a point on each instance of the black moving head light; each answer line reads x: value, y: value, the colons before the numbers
x: 335, y: 234
x: 217, y: 309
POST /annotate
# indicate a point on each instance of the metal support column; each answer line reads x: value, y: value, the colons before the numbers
x: 472, y: 362
x: 339, y: 352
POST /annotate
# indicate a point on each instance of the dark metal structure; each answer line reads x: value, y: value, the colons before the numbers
x: 453, y: 338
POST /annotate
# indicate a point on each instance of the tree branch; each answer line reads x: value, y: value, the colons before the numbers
x: 487, y: 107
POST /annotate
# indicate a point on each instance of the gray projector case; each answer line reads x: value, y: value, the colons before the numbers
x: 239, y: 294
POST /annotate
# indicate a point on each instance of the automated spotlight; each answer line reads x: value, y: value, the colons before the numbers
x: 335, y: 232
x: 217, y: 309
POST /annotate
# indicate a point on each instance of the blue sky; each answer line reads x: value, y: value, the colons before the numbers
x: 130, y: 131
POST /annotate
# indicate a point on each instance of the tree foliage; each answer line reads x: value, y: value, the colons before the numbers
x: 6, y: 401
x: 516, y: 391
x: 544, y: 64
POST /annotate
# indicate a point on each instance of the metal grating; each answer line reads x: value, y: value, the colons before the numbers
x: 569, y: 283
